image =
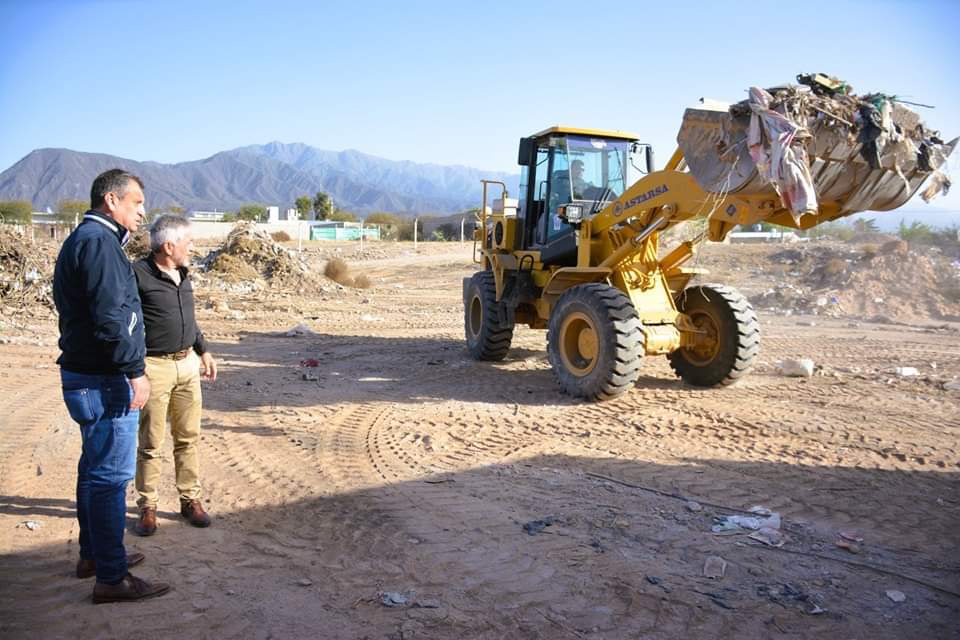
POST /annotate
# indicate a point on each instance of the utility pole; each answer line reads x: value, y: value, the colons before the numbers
x: 462, y: 220
x: 415, y: 233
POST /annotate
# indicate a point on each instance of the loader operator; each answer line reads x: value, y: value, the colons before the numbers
x: 579, y: 185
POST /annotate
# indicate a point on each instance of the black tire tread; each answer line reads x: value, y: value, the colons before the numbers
x: 619, y: 367
x: 741, y: 332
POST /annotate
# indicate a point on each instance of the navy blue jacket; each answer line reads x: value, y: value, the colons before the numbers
x: 95, y: 290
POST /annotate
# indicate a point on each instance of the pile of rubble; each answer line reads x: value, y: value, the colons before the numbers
x: 890, y: 282
x: 252, y: 257
x: 26, y: 272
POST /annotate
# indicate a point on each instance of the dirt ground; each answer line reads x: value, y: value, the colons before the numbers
x: 481, y: 503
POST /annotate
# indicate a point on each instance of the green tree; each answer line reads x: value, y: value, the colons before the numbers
x: 322, y: 205
x: 303, y: 204
x: 448, y: 231
x: 405, y: 230
x: 342, y: 216
x: 70, y: 210
x: 19, y: 211
x: 865, y: 225
x: 381, y: 217
x: 917, y: 232
x: 255, y: 212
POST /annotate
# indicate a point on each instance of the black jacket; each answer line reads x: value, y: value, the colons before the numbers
x: 95, y: 291
x: 168, y: 311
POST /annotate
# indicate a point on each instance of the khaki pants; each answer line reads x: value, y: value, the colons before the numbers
x: 174, y: 394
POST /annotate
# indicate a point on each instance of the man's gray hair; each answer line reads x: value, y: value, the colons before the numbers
x: 167, y: 228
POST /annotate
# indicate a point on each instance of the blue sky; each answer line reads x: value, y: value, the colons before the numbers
x: 442, y: 82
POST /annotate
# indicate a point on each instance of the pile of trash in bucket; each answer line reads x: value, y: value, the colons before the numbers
x: 816, y: 143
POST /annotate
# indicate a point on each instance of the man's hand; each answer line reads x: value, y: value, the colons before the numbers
x: 208, y: 367
x: 141, y: 392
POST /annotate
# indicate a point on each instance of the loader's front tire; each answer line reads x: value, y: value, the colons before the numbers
x: 594, y: 342
x: 487, y: 328
x: 731, y: 324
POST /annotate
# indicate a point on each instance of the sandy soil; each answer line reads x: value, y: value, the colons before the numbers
x: 407, y: 468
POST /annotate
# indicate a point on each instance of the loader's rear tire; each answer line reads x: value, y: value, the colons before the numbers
x: 487, y: 329
x: 730, y: 320
x: 594, y: 342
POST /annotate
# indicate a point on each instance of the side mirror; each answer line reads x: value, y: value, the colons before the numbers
x: 525, y: 152
x: 648, y: 153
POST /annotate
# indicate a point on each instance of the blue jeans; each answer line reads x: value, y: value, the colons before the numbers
x: 100, y: 405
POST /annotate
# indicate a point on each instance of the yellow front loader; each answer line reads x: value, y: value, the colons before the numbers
x: 578, y: 252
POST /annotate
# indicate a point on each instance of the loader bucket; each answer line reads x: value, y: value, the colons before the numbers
x: 714, y: 145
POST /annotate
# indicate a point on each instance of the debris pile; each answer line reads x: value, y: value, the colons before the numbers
x: 889, y: 282
x: 249, y: 255
x: 26, y: 272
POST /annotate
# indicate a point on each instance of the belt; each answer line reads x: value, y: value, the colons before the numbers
x: 179, y: 355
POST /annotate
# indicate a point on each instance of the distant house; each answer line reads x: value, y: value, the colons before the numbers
x: 207, y: 216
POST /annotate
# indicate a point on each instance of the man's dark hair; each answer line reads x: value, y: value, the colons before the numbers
x: 113, y: 181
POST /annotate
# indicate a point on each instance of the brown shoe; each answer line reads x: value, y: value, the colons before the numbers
x: 194, y: 513
x: 88, y: 568
x: 147, y: 525
x: 129, y: 589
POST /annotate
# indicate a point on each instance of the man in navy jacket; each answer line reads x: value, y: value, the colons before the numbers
x: 102, y: 373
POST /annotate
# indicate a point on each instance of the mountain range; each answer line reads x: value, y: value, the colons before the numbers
x: 270, y: 174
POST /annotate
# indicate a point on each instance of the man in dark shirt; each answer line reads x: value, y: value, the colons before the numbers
x: 102, y: 374
x: 177, y: 358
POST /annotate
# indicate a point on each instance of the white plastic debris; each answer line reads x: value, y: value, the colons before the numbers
x: 33, y: 525
x: 800, y: 368
x: 393, y: 599
x: 763, y: 519
x: 906, y: 372
x: 896, y: 596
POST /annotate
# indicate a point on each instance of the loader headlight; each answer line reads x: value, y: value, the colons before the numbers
x: 573, y: 213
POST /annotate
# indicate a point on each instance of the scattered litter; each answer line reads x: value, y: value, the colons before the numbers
x: 847, y: 545
x: 906, y: 372
x: 768, y: 536
x: 764, y: 519
x: 715, y: 567
x: 802, y: 368
x: 851, y: 536
x: 310, y: 362
x: 811, y: 604
x: 300, y: 330
x: 33, y: 525
x: 304, y: 582
x: 310, y: 377
x: 694, y: 506
x: 393, y: 599
x: 536, y: 526
x: 896, y: 596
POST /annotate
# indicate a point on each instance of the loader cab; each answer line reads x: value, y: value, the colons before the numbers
x: 564, y: 165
